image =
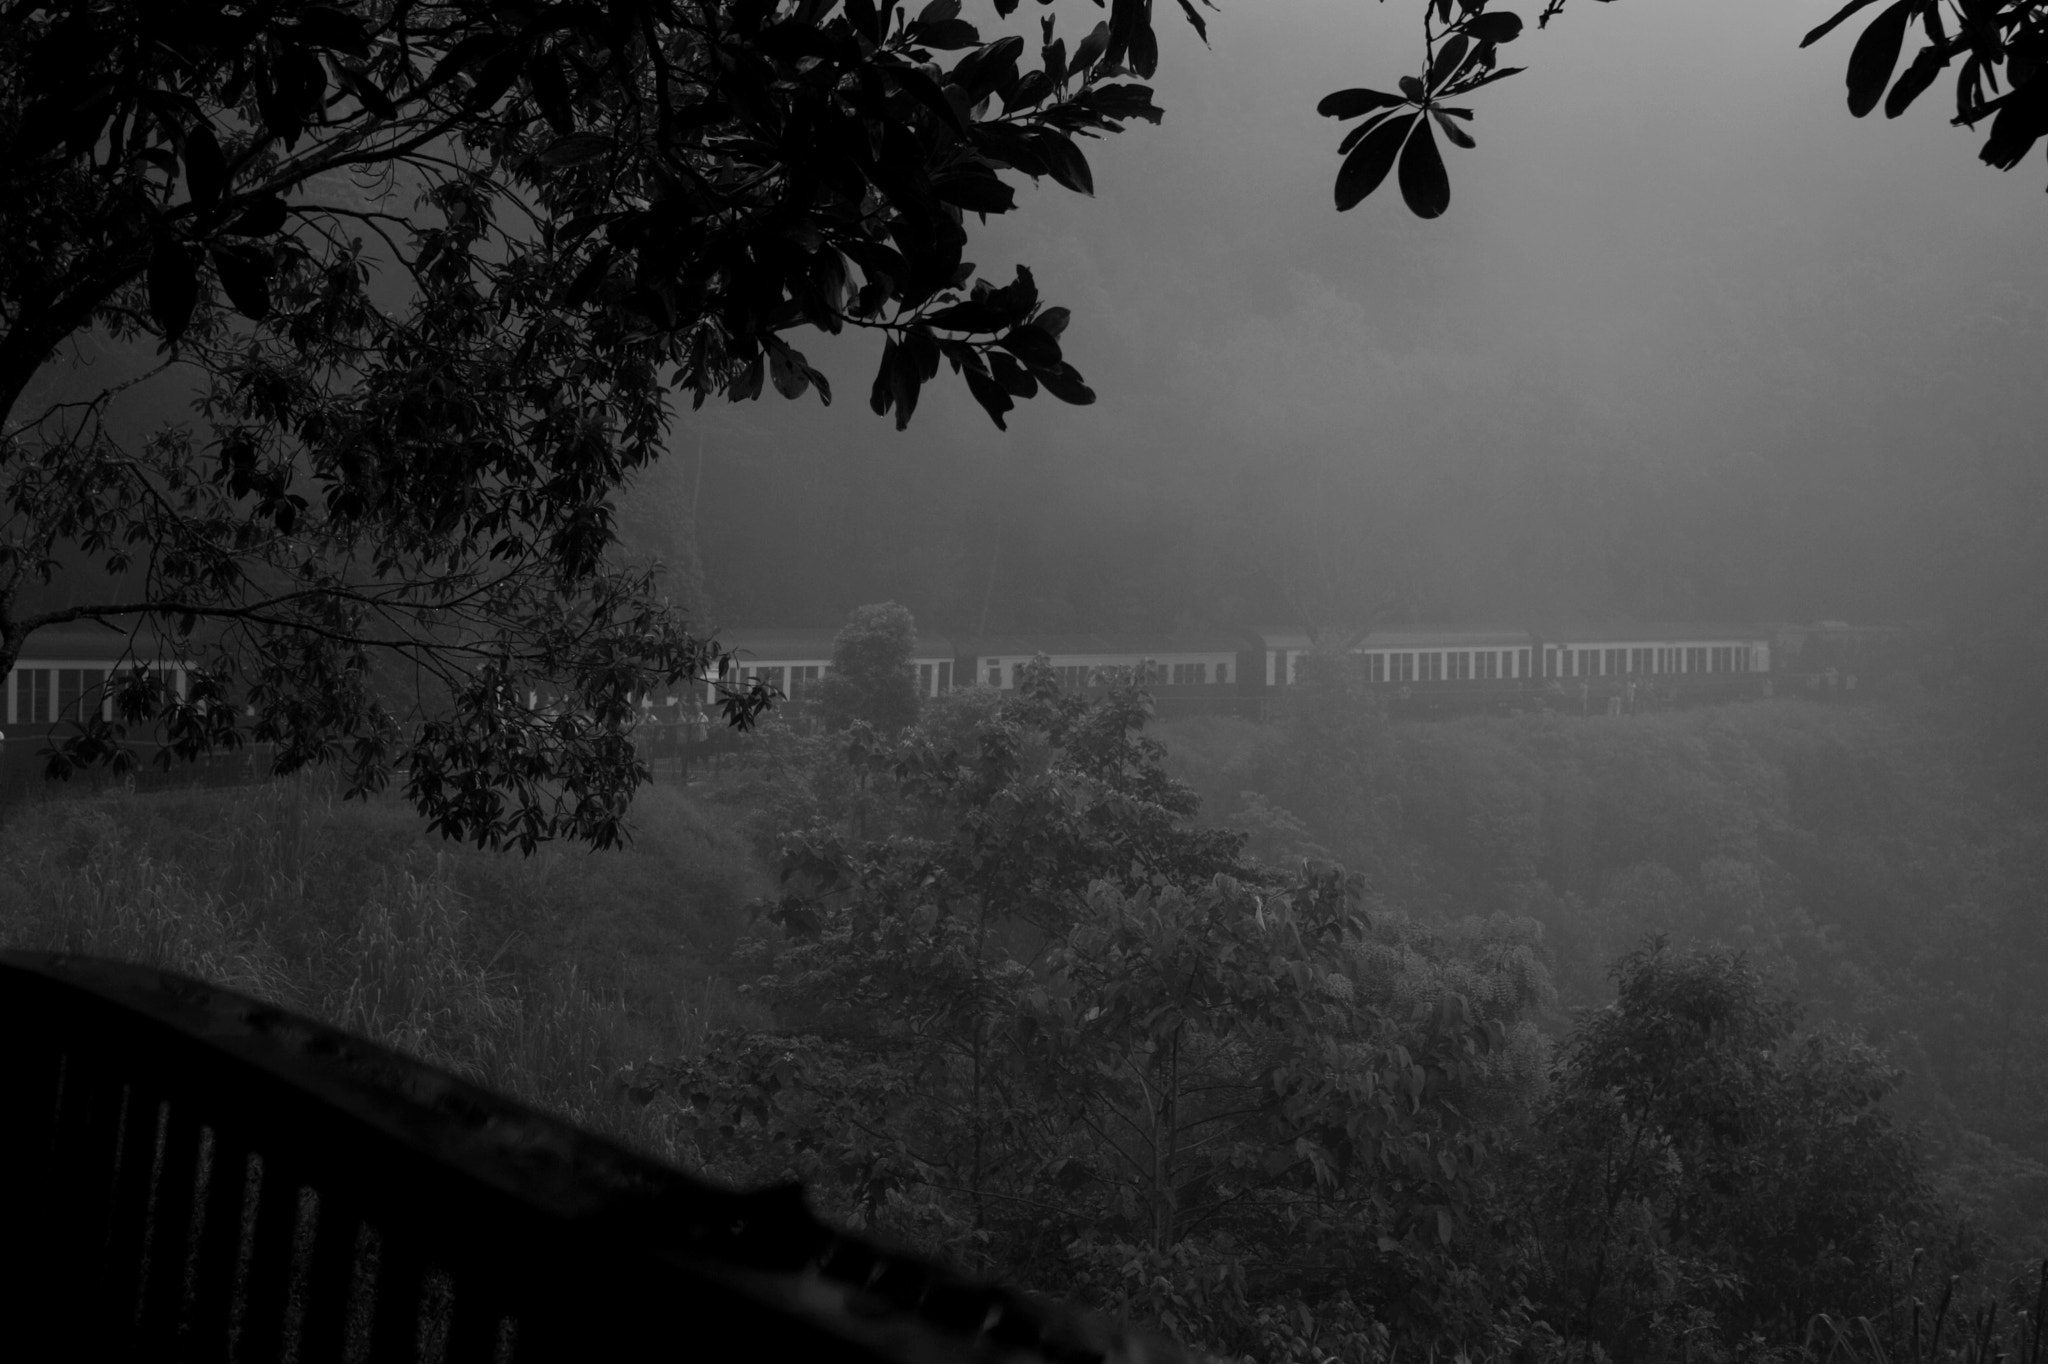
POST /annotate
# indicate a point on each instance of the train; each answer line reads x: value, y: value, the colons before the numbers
x: 1408, y: 669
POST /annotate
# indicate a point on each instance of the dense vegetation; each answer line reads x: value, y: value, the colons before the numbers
x: 1100, y: 1014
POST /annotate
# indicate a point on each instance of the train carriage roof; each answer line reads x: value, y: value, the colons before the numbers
x: 1443, y: 637
x: 1298, y: 637
x: 801, y: 645
x: 1659, y: 633
x: 1103, y: 646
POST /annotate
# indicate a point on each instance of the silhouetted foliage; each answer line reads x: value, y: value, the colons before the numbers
x: 389, y: 526
x: 1708, y: 1173
x: 871, y: 671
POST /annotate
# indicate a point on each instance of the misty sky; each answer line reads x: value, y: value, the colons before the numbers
x: 1691, y: 341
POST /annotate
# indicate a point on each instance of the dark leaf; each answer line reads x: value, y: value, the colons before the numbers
x: 550, y: 86
x: 1144, y: 58
x: 1065, y: 384
x: 1370, y: 161
x: 2022, y: 121
x: 324, y: 26
x: 1458, y: 136
x: 461, y: 57
x: 1121, y: 101
x: 262, y: 218
x: 747, y: 386
x: 1423, y: 182
x: 971, y: 316
x: 1031, y: 90
x: 1926, y: 66
x: 173, y: 287
x: 1500, y: 73
x: 1352, y: 103
x: 495, y: 79
x: 206, y: 171
x: 975, y: 188
x: 1014, y: 378
x: 1494, y: 28
x: 1091, y: 49
x: 589, y: 277
x: 926, y: 91
x: 1875, y: 54
x: 988, y: 70
x: 245, y: 277
x: 948, y: 35
x: 882, y: 396
x: 575, y: 149
x: 786, y: 368
x: 1829, y: 27
x: 1413, y: 89
x: 1195, y: 18
x: 919, y: 352
x: 865, y: 18
x: 1054, y: 320
x: 1032, y: 344
x: 991, y: 396
x: 904, y: 383
x: 938, y: 11
x: 1362, y: 131
x: 1448, y: 59
x: 369, y: 93
x: 1064, y: 161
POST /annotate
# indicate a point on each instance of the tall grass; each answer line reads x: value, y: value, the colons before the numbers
x: 547, y: 978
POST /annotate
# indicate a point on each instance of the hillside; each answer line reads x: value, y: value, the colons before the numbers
x: 1869, y: 858
x: 544, y: 976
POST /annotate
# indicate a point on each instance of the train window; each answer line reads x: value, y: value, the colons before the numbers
x: 995, y: 672
x: 1432, y: 667
x: 1222, y: 673
x: 1524, y: 672
x: 945, y: 677
x: 924, y: 679
x: 39, y: 696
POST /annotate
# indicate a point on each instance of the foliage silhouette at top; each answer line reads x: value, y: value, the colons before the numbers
x: 434, y: 271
